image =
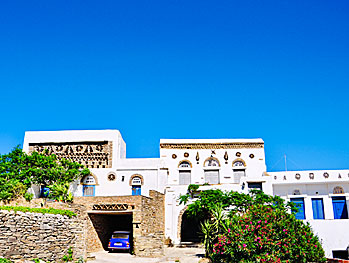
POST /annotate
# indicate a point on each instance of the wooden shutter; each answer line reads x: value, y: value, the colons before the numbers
x: 212, y: 176
x: 184, y: 177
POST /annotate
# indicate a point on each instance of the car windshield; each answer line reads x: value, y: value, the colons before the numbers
x: 119, y: 235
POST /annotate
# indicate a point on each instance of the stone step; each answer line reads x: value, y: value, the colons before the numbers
x: 189, y: 244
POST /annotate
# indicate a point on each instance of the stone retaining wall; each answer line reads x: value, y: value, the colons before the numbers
x: 147, y: 222
x: 44, y: 236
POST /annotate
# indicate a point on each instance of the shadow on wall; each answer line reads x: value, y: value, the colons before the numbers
x: 105, y: 225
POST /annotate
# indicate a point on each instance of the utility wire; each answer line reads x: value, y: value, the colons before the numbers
x: 277, y: 163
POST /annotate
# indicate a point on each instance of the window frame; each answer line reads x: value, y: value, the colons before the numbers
x: 344, y: 214
x: 299, y: 211
x: 317, y: 215
x: 85, y: 186
x: 136, y: 190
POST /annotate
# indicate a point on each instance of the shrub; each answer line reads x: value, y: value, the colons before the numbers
x: 266, y: 234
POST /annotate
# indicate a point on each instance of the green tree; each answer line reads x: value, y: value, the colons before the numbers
x: 18, y: 171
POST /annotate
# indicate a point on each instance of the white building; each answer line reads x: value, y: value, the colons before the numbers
x: 227, y: 164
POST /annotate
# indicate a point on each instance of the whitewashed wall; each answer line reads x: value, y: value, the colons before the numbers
x: 162, y: 174
x: 333, y: 232
x: 254, y: 172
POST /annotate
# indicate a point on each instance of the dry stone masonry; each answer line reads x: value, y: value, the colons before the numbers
x: 48, y: 237
x: 44, y: 236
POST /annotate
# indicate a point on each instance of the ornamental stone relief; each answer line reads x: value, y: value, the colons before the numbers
x: 90, y: 154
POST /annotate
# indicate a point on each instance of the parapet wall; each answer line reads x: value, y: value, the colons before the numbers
x: 45, y: 236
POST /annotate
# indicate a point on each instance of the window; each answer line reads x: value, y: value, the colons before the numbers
x: 338, y: 190
x: 239, y: 172
x: 211, y: 163
x: 212, y: 176
x: 184, y: 172
x: 136, y: 186
x: 296, y: 192
x: 136, y: 181
x: 257, y: 186
x: 89, y: 183
x: 184, y: 164
x: 299, y: 202
x: 136, y: 190
x: 318, y: 208
x: 88, y: 190
x: 340, y: 210
x: 89, y: 179
x: 211, y: 170
x: 238, y: 164
x: 184, y: 177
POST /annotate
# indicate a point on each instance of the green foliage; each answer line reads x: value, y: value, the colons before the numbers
x: 18, y: 171
x: 253, y: 227
x: 39, y: 210
x: 46, y: 169
x: 60, y: 192
x: 28, y: 196
x: 4, y: 260
x: 183, y: 199
x: 192, y: 188
x: 80, y: 260
x: 69, y: 256
x: 207, y: 200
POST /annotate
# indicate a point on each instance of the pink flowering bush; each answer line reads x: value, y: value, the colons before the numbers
x: 253, y: 227
x: 266, y: 234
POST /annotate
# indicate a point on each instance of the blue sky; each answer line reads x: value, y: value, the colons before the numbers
x: 276, y: 70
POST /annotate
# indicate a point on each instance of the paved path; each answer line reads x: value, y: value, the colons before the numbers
x: 172, y: 255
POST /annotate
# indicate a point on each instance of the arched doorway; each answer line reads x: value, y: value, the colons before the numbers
x: 190, y: 228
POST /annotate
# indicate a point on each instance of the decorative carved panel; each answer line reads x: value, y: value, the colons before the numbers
x: 112, y: 207
x: 90, y: 154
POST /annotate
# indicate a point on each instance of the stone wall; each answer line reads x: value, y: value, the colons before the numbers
x: 144, y: 217
x: 151, y: 240
x: 148, y: 222
x: 43, y: 236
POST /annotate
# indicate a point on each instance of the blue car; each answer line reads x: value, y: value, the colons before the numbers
x: 120, y: 240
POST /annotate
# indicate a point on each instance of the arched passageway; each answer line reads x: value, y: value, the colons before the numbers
x: 190, y: 229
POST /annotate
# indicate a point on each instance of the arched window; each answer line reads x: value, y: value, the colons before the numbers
x: 89, y: 179
x: 296, y: 192
x: 184, y: 171
x: 136, y: 185
x: 211, y: 169
x: 239, y: 168
x: 211, y: 162
x: 184, y: 164
x: 239, y: 163
x: 136, y: 181
x: 88, y: 185
x: 338, y: 190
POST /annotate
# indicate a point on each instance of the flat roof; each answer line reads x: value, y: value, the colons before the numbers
x: 213, y: 141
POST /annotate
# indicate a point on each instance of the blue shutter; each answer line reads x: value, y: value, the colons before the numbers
x: 318, y: 208
x: 340, y: 210
x: 136, y: 190
x: 300, y: 205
